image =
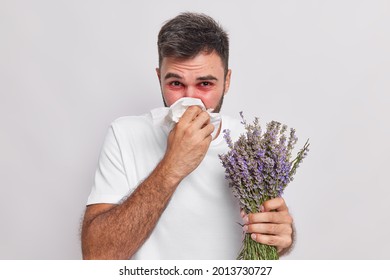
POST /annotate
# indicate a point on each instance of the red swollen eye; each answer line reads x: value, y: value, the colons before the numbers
x: 205, y: 84
x: 175, y: 84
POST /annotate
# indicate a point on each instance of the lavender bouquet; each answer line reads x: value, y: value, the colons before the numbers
x: 258, y: 167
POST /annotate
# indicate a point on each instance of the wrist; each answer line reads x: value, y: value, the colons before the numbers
x: 167, y: 172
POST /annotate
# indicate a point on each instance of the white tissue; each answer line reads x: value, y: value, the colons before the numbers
x: 178, y: 108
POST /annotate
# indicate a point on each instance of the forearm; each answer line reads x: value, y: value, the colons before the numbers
x: 119, y: 232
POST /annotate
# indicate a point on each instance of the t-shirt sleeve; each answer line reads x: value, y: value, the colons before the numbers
x: 111, y: 183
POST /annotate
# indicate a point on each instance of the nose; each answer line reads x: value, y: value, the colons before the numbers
x: 190, y: 92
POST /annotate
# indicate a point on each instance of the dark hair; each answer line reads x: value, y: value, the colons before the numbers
x: 188, y: 34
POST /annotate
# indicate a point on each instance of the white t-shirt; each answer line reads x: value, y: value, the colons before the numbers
x: 202, y: 218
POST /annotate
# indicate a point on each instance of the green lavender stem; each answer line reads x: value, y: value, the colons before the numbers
x: 253, y: 250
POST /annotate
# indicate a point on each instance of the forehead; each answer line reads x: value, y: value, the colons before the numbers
x: 202, y: 62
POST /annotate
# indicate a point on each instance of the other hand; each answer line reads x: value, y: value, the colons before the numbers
x: 272, y: 225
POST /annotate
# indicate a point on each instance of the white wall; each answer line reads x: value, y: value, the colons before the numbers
x: 68, y: 68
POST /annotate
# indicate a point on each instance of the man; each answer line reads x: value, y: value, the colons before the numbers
x: 160, y: 193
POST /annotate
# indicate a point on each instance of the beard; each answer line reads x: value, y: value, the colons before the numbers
x: 219, y: 106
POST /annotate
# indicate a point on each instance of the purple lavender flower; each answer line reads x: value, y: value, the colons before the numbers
x: 258, y: 167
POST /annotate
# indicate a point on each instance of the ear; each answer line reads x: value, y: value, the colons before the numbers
x: 158, y: 74
x: 227, y: 81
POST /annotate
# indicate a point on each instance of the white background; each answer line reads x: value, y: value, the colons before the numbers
x: 69, y: 68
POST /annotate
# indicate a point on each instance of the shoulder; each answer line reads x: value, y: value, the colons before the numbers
x: 142, y: 130
x: 131, y: 121
x: 131, y: 124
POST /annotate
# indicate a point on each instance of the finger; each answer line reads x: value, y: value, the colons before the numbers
x: 201, y: 125
x: 186, y: 121
x: 279, y: 241
x: 198, y: 121
x: 243, y: 214
x: 190, y: 114
x: 208, y: 140
x: 270, y: 217
x: 277, y: 204
x: 201, y: 120
x: 207, y: 130
x: 268, y: 228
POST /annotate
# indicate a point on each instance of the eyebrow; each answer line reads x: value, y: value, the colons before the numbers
x: 172, y: 75
x: 207, y: 78
x: 202, y: 78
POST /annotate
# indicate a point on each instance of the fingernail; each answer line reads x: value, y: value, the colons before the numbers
x: 242, y: 213
x: 253, y: 236
x: 261, y: 208
x: 245, y: 228
x: 246, y: 219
